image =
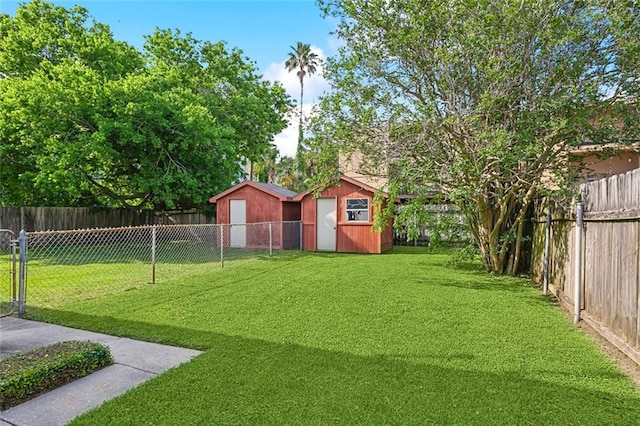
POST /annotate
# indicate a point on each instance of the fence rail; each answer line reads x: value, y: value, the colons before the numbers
x: 604, y: 270
x: 63, y: 267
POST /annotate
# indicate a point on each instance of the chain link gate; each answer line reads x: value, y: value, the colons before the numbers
x: 8, y: 285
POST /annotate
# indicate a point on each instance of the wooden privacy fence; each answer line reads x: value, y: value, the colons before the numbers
x: 608, y: 272
x: 65, y: 218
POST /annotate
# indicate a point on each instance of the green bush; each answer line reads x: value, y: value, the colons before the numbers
x: 26, y: 375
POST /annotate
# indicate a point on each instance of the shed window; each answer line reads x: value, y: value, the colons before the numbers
x: 357, y: 209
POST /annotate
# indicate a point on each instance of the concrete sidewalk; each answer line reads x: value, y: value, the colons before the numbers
x: 135, y: 362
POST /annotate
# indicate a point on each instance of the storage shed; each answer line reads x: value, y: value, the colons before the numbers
x: 252, y: 202
x: 341, y: 218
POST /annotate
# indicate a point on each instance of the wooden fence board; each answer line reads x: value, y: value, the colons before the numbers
x: 66, y: 218
x: 628, y: 267
x: 637, y: 343
x: 592, y: 297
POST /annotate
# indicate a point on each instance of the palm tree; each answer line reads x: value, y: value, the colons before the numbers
x: 288, y: 175
x: 305, y: 62
x: 265, y: 167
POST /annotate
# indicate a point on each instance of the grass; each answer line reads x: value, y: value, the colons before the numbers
x: 398, y: 338
x: 77, y: 272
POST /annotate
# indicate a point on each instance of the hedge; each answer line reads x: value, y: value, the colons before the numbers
x: 26, y: 375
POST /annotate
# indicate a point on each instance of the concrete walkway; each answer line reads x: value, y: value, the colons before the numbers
x: 135, y: 362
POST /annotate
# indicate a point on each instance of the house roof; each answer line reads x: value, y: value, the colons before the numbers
x: 344, y: 178
x: 589, y: 148
x: 276, y: 191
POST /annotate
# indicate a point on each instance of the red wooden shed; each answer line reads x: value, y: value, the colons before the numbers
x: 341, y: 218
x: 256, y: 202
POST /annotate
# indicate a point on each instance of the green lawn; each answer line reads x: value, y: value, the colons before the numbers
x: 398, y: 338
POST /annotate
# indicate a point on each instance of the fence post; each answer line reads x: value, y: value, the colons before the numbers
x: 270, y: 239
x: 578, y: 265
x: 547, y: 243
x: 14, y: 288
x: 153, y: 253
x: 22, y: 274
x: 222, y: 245
x: 300, y: 247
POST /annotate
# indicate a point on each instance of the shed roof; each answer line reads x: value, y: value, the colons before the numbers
x: 276, y: 191
x: 283, y: 192
x: 344, y: 178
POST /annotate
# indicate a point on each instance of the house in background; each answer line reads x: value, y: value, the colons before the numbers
x: 355, y: 166
x: 340, y: 219
x: 602, y: 161
x: 249, y: 203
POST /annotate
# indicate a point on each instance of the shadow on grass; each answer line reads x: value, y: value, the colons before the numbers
x: 481, y: 281
x: 242, y: 380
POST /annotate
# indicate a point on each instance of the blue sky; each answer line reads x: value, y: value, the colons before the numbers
x: 263, y: 29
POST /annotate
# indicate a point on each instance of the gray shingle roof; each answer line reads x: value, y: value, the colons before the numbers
x: 276, y: 189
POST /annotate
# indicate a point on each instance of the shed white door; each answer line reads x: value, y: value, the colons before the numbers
x: 238, y: 215
x: 326, y: 220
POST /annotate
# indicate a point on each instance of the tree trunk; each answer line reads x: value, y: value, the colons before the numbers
x: 299, y: 159
x: 500, y: 230
x: 272, y: 175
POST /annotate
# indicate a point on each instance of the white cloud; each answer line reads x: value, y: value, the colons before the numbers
x: 287, y: 141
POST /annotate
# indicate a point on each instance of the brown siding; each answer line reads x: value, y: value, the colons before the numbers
x: 261, y: 207
x: 351, y: 237
x: 222, y: 210
x: 308, y: 216
x: 357, y: 238
x: 386, y: 239
x: 290, y: 211
x: 597, y: 168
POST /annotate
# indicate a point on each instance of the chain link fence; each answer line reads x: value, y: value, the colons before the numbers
x: 69, y: 266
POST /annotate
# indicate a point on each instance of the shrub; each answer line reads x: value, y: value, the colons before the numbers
x: 26, y: 375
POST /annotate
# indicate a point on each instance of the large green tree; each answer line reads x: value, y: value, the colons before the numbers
x: 480, y: 100
x: 87, y: 120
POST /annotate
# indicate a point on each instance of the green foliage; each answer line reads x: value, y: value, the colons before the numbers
x: 289, y: 175
x: 481, y: 101
x: 467, y: 255
x: 26, y: 375
x: 90, y: 121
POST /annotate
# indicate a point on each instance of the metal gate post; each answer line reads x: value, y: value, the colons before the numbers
x: 22, y: 274
x: 577, y: 283
x: 14, y: 284
x: 221, y: 245
x: 153, y: 253
x: 270, y: 240
x: 547, y: 246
